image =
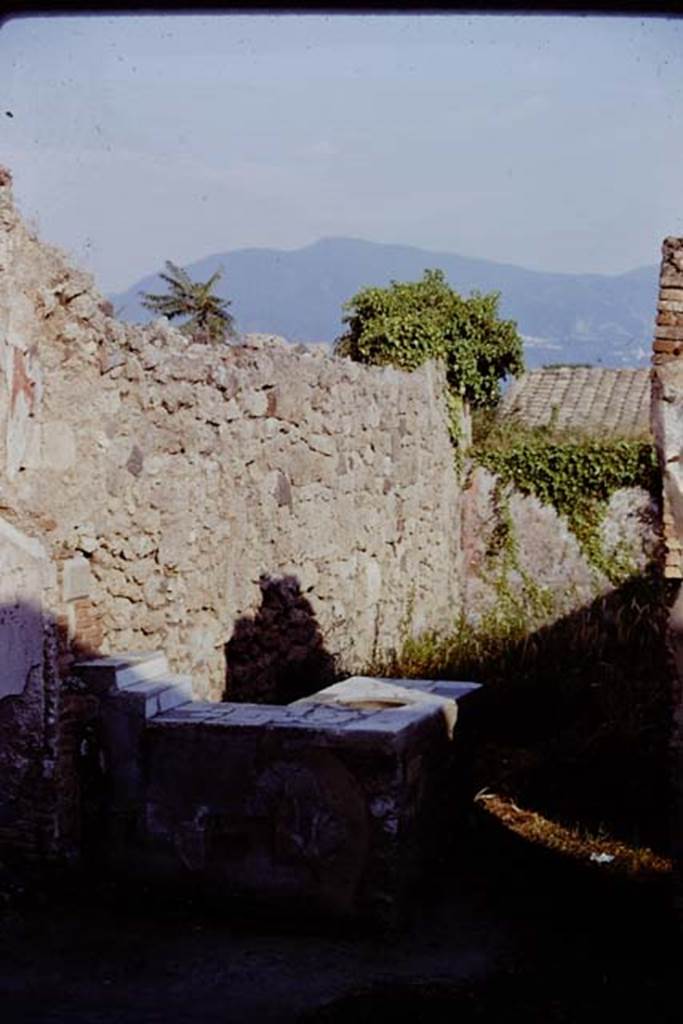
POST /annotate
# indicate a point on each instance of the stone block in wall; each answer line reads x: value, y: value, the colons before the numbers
x: 76, y: 578
x: 667, y: 317
x: 668, y: 333
x: 671, y: 273
x: 670, y: 298
x: 58, y: 446
x: 671, y: 277
x: 666, y: 347
x: 175, y: 545
x: 290, y: 403
x: 309, y: 466
x: 253, y: 403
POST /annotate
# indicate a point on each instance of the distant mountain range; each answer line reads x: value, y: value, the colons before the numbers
x: 563, y: 318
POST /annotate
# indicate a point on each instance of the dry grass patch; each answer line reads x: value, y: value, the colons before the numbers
x: 604, y: 853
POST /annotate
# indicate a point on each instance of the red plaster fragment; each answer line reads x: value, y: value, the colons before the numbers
x: 21, y: 381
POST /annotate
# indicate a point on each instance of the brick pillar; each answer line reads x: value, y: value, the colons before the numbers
x: 667, y: 399
x: 667, y: 427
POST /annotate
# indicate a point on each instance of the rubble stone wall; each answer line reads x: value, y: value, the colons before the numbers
x: 548, y: 557
x: 168, y: 481
x: 260, y: 512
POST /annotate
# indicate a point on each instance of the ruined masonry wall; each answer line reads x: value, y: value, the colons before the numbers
x: 546, y: 551
x: 667, y: 417
x: 667, y: 426
x: 164, y: 479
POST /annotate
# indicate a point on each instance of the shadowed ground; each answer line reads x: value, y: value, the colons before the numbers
x: 503, y: 935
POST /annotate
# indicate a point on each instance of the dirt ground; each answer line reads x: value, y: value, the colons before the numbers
x: 499, y: 936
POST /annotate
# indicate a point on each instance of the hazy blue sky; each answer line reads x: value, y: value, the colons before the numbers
x: 551, y: 142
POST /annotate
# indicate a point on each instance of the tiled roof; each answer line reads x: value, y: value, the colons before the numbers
x: 600, y: 402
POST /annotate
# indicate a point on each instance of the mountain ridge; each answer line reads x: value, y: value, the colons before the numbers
x: 299, y: 293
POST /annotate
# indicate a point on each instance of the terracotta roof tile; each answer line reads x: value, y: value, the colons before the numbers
x: 602, y: 402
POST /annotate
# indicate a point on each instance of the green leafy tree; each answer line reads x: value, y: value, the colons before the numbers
x: 208, y: 319
x: 406, y: 324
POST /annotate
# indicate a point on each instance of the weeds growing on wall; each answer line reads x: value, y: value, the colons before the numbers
x: 526, y: 603
x: 619, y: 627
x: 574, y: 716
x: 576, y: 710
x: 575, y: 474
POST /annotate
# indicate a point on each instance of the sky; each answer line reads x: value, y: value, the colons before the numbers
x: 554, y: 143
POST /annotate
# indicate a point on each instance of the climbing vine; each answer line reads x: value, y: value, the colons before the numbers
x: 408, y: 323
x: 577, y: 476
x: 528, y: 600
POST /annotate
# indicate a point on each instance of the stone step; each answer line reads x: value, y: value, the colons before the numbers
x: 154, y: 667
x: 162, y: 694
x: 119, y: 671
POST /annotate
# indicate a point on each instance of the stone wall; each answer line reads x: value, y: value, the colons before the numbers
x: 269, y: 516
x: 549, y: 576
x: 548, y: 568
x: 271, y: 463
x: 263, y: 496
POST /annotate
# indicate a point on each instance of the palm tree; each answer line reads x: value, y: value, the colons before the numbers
x: 209, y: 321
